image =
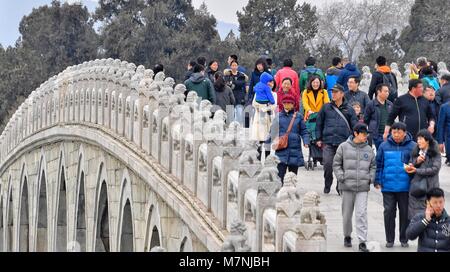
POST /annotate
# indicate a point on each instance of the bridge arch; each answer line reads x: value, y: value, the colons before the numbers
x: 102, y: 240
x: 186, y: 242
x: 125, y: 228
x: 9, y: 216
x: 60, y: 224
x: 23, y: 225
x: 80, y: 220
x: 41, y: 231
x: 153, y: 235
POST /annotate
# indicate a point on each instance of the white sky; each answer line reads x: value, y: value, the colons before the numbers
x: 226, y: 10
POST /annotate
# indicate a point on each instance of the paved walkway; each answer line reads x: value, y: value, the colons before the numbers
x: 331, y: 207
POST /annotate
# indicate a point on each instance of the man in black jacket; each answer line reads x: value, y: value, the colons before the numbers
x: 412, y: 109
x: 354, y: 94
x: 433, y: 226
x: 383, y: 75
x: 332, y: 130
x: 443, y: 95
x: 377, y: 113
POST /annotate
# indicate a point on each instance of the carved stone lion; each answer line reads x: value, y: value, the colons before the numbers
x: 236, y: 241
x: 310, y: 213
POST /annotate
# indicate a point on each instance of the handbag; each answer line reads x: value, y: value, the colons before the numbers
x: 419, y: 188
x: 281, y: 143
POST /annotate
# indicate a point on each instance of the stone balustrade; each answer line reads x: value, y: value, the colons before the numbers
x: 214, y: 161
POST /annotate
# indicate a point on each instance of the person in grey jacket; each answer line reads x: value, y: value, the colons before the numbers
x: 432, y: 226
x: 425, y: 165
x: 354, y: 166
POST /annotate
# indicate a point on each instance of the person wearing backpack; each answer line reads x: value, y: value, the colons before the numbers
x: 383, y: 75
x: 200, y: 84
x: 428, y: 79
x: 333, y: 73
x: 309, y: 70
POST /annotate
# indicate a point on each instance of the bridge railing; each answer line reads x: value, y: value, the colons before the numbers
x: 212, y: 159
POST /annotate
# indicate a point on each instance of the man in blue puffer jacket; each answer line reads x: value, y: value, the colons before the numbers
x: 393, y: 180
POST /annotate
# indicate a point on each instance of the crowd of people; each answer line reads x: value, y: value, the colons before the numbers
x: 393, y: 142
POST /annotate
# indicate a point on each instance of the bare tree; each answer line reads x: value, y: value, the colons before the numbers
x: 348, y: 24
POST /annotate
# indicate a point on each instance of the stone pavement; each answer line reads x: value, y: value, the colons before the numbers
x: 331, y: 207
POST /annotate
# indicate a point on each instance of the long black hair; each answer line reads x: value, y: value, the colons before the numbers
x: 261, y: 61
x: 432, y: 144
x: 219, y: 82
x: 311, y: 79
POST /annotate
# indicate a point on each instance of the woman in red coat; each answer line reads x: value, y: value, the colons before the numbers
x: 286, y: 88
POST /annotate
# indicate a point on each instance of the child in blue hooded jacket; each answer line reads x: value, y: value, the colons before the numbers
x: 263, y: 93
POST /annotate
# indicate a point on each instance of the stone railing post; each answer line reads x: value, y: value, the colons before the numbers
x: 288, y: 207
x: 268, y: 183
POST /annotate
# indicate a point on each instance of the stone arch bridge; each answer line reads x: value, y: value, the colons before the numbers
x: 107, y: 157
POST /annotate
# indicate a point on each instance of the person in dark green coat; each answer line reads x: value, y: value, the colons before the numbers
x: 201, y: 84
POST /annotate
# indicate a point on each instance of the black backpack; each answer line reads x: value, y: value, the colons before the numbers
x: 390, y: 81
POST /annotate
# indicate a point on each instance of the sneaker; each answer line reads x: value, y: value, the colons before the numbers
x: 405, y: 244
x: 348, y: 241
x: 389, y: 245
x: 326, y: 190
x: 363, y: 247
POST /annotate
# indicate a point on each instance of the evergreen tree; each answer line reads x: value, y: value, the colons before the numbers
x: 280, y: 28
x: 429, y: 31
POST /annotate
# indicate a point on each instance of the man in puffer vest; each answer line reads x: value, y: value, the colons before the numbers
x: 433, y: 226
x: 354, y: 166
x: 393, y: 180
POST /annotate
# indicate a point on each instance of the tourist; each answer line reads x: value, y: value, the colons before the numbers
x: 224, y: 94
x: 428, y: 78
x: 359, y: 114
x: 201, y: 61
x: 308, y: 71
x: 270, y: 67
x: 200, y: 84
x: 288, y: 72
x: 350, y: 69
x: 443, y: 94
x: 287, y: 89
x: 443, y: 130
x: 333, y: 73
x: 412, y: 109
x: 237, y: 82
x: 291, y: 158
x: 265, y: 106
x: 393, y: 180
x: 416, y: 71
x: 232, y: 58
x: 354, y: 166
x: 425, y: 165
x: 377, y: 113
x: 260, y: 68
x: 384, y: 75
x: 314, y: 97
x: 355, y: 94
x: 431, y: 226
x: 430, y: 94
x: 333, y: 127
x: 158, y: 68
x: 213, y: 67
x: 190, y: 70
